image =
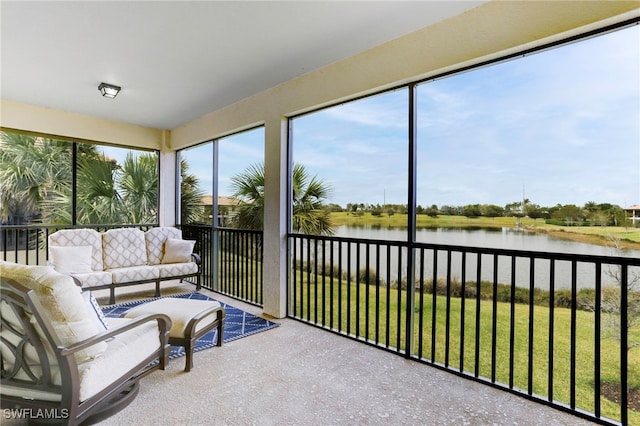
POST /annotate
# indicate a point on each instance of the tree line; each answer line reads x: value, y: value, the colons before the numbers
x: 591, y: 213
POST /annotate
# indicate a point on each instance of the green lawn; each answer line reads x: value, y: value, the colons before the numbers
x: 365, y: 321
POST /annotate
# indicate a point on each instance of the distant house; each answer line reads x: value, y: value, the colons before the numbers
x: 634, y: 213
x: 227, y: 208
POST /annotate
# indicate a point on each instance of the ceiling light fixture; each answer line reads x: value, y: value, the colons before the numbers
x: 109, y: 90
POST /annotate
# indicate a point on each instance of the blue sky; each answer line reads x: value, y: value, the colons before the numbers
x: 562, y: 125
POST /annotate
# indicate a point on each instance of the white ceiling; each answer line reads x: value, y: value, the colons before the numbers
x: 177, y: 60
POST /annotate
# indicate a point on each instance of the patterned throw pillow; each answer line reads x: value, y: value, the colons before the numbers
x: 95, y: 313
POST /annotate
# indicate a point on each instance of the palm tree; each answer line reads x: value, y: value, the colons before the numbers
x: 139, y: 187
x: 35, y: 184
x: 309, y: 216
x: 190, y: 196
x: 33, y: 171
x: 97, y: 198
x: 248, y: 188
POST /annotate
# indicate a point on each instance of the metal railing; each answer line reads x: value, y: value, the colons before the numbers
x: 239, y: 262
x: 552, y: 327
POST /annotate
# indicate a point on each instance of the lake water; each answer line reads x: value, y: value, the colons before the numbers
x: 504, y: 238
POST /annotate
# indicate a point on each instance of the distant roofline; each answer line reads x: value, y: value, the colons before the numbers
x: 223, y: 200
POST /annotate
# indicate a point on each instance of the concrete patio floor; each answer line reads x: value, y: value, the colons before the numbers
x: 296, y: 374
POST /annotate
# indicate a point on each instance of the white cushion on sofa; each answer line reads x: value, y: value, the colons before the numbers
x: 80, y: 237
x: 93, y: 279
x: 71, y: 259
x: 134, y: 273
x: 177, y: 269
x: 62, y: 300
x: 177, y: 251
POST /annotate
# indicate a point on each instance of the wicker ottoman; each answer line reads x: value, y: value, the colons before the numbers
x: 191, y: 319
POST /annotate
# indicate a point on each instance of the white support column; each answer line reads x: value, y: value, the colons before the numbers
x: 274, y: 269
x: 169, y: 185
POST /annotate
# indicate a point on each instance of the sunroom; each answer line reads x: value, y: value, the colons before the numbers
x: 197, y: 78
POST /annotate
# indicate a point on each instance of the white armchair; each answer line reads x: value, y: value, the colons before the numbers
x: 57, y: 358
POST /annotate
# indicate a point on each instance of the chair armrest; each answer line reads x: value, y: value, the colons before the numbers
x: 164, y: 324
x: 219, y: 311
x: 196, y: 258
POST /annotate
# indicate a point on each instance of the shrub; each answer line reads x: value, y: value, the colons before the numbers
x: 367, y: 276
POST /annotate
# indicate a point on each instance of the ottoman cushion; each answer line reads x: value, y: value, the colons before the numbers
x: 181, y: 311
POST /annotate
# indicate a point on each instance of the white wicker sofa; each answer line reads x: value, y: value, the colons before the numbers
x: 62, y: 361
x: 123, y: 256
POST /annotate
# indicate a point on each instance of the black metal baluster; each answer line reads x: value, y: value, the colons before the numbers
x: 532, y: 278
x: 388, y: 313
x: 494, y: 319
x: 331, y: 286
x: 434, y: 305
x: 512, y: 320
x: 399, y: 314
x: 315, y: 280
x: 476, y: 370
x: 421, y: 306
x: 572, y: 367
x: 308, y: 281
x: 323, y: 266
x: 552, y: 292
x: 624, y: 343
x: 358, y: 290
x: 596, y: 349
x: 463, y: 315
x: 377, y: 308
x: 447, y: 321
x: 367, y: 291
x: 294, y: 275
x: 340, y: 286
x: 348, y: 288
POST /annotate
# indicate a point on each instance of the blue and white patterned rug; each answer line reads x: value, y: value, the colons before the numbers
x: 238, y: 323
